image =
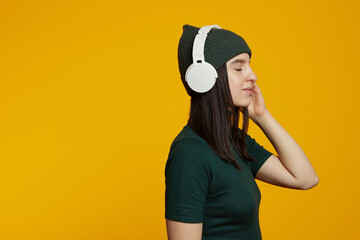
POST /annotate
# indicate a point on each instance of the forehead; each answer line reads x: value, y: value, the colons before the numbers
x: 241, y: 58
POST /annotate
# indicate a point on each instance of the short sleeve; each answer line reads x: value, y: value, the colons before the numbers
x: 187, y: 179
x: 258, y: 152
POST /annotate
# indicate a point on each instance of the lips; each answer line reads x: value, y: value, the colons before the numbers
x: 249, y: 91
x: 249, y: 88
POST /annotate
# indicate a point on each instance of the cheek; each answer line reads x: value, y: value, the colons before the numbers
x: 235, y: 86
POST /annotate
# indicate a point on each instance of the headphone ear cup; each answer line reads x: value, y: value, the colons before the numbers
x: 201, y: 77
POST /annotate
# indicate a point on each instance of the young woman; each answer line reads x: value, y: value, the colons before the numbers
x: 210, y: 172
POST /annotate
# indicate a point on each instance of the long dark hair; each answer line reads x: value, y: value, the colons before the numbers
x: 214, y: 117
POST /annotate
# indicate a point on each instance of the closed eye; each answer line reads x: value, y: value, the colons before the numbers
x: 238, y: 69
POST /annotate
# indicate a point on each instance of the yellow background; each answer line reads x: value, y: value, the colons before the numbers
x: 91, y: 99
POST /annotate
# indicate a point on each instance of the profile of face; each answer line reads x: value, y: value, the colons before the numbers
x: 240, y: 76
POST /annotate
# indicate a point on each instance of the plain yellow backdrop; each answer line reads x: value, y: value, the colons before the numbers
x: 91, y: 99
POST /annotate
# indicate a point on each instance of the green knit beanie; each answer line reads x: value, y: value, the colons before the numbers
x: 221, y: 45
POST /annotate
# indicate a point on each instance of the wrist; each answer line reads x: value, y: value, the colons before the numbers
x: 263, y: 118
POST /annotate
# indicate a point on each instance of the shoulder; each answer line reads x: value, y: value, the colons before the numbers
x: 189, y: 146
x: 191, y: 150
x: 188, y: 142
x: 190, y: 165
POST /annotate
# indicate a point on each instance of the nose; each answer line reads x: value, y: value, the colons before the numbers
x: 252, y: 76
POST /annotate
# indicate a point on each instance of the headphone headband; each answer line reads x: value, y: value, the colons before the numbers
x: 199, y: 42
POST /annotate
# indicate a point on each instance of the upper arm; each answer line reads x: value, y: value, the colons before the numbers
x: 274, y: 172
x: 268, y: 167
x: 183, y: 231
x: 188, y: 177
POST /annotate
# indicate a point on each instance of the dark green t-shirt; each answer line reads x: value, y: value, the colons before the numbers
x: 203, y: 188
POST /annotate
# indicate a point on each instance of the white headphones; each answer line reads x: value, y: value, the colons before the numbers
x: 201, y: 75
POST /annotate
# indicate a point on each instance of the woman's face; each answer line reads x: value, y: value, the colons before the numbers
x: 240, y: 76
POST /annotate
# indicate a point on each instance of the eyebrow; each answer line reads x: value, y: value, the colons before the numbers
x: 238, y: 61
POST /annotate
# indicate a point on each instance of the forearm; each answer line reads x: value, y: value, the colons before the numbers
x: 289, y: 152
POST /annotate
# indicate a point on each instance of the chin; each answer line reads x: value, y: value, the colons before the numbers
x: 241, y: 105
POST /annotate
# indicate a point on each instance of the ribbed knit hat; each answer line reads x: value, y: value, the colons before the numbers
x: 221, y: 45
